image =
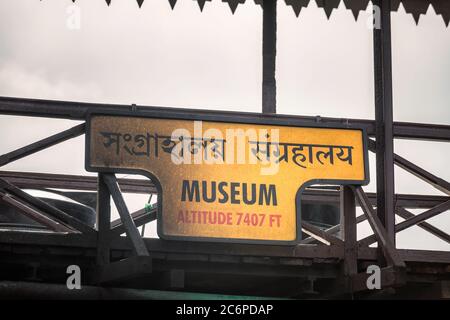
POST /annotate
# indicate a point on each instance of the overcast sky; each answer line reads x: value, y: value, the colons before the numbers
x: 184, y: 58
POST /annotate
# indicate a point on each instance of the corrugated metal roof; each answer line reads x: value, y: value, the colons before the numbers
x: 414, y: 7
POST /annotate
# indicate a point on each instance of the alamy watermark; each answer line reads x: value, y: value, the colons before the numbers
x: 73, y: 18
x: 374, y: 280
x: 209, y: 147
x: 74, y: 279
x: 374, y: 19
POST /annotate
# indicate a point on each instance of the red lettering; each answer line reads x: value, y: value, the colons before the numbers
x: 180, y: 216
x: 239, y: 217
x: 187, y: 218
x: 226, y: 218
x: 275, y: 219
x: 229, y: 218
x: 261, y: 219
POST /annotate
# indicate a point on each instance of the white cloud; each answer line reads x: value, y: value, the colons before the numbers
x: 15, y: 80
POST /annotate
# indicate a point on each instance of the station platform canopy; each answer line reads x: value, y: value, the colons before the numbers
x: 414, y: 7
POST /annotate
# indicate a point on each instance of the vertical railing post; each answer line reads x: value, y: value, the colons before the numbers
x: 348, y: 230
x: 384, y: 116
x: 269, y: 88
x: 103, y: 222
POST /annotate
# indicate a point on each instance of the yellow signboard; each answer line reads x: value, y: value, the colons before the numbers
x: 226, y: 180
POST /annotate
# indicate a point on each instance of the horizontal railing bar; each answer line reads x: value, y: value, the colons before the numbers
x: 79, y: 111
x: 86, y: 242
x: 33, y: 180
